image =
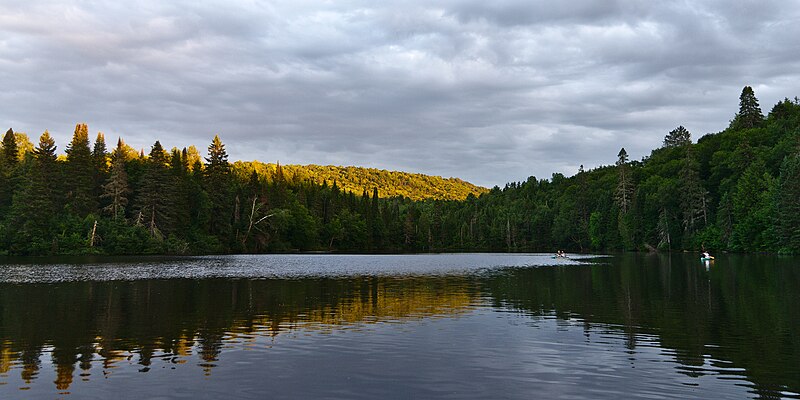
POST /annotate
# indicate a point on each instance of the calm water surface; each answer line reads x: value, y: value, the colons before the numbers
x: 400, y: 326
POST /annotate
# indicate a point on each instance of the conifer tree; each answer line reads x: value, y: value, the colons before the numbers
x: 8, y: 163
x: 10, y: 149
x: 116, y: 189
x: 678, y: 137
x: 153, y: 202
x: 378, y: 228
x: 278, y: 194
x: 100, y: 153
x: 179, y: 167
x: 79, y: 168
x: 217, y: 185
x: 35, y: 205
x: 199, y: 202
x: 624, y: 199
x: 749, y: 115
x: 624, y: 192
x: 100, y: 161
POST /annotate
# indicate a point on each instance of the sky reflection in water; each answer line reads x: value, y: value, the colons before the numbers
x: 425, y: 326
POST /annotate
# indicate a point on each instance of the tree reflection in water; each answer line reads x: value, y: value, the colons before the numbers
x: 741, y: 313
x: 136, y: 321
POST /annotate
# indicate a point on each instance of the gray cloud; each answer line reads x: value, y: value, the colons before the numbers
x: 487, y: 91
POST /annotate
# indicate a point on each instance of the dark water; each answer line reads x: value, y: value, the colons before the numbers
x: 425, y: 326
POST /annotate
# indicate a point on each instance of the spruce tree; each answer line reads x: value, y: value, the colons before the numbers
x: 624, y: 199
x: 100, y: 161
x: 10, y: 149
x: 100, y: 153
x: 678, y: 137
x: 80, y: 180
x: 35, y: 205
x: 8, y: 165
x: 179, y: 169
x: 624, y: 192
x: 749, y: 115
x: 154, y: 200
x: 217, y: 185
x: 116, y: 188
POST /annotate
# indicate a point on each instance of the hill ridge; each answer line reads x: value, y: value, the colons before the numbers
x: 390, y: 183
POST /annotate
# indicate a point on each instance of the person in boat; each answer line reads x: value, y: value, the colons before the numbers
x: 706, y: 255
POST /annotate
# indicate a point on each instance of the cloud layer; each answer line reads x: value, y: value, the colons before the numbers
x: 487, y: 91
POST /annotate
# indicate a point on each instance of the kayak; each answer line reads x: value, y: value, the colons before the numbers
x: 706, y: 258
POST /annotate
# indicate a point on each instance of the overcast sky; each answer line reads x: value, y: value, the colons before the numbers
x: 488, y: 91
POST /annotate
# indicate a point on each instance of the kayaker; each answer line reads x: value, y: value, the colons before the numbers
x: 706, y: 255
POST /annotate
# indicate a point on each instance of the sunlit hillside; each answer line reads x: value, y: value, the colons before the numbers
x: 358, y: 179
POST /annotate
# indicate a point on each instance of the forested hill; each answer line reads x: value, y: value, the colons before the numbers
x: 358, y: 179
x: 735, y: 190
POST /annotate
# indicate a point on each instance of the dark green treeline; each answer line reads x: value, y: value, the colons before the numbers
x: 736, y: 190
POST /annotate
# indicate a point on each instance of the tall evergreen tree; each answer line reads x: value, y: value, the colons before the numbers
x: 8, y: 165
x: 749, y: 115
x: 116, y: 188
x: 10, y: 148
x: 377, y: 227
x: 624, y: 192
x: 179, y: 167
x: 624, y: 200
x: 35, y: 205
x: 154, y: 200
x: 100, y: 153
x: 100, y: 161
x: 80, y: 180
x: 678, y: 137
x: 217, y: 185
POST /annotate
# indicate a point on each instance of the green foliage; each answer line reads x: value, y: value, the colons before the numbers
x: 81, y: 194
x: 752, y: 210
x: 357, y: 179
x: 217, y: 185
x: 624, y: 192
x: 154, y: 202
x: 35, y: 204
x: 736, y: 190
x: 678, y: 137
x: 596, y: 230
x: 116, y: 189
x: 749, y: 115
x: 10, y: 150
x: 788, y: 204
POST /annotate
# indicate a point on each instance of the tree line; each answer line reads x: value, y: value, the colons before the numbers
x: 736, y: 190
x: 414, y: 186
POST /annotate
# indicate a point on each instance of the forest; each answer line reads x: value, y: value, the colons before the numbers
x: 737, y: 190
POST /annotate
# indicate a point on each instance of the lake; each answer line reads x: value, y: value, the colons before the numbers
x: 438, y: 326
